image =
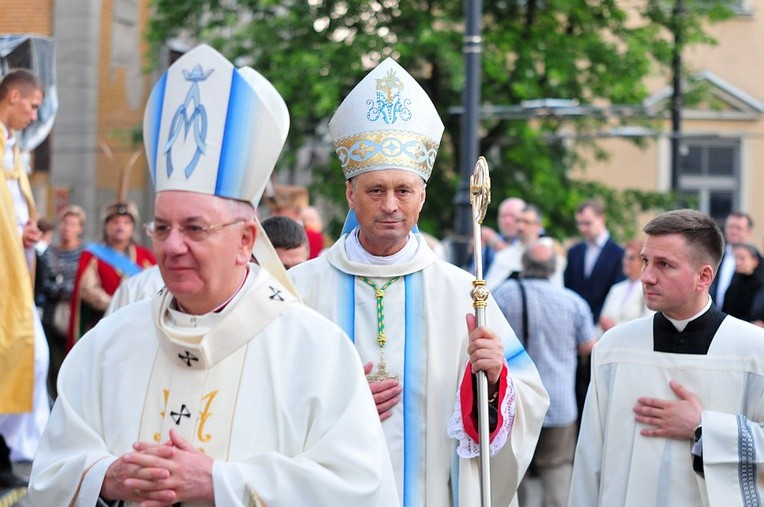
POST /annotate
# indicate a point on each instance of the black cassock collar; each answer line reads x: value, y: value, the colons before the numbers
x: 696, y: 337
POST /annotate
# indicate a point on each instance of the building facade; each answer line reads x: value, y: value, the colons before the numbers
x: 95, y: 146
x: 721, y: 149
x: 102, y: 87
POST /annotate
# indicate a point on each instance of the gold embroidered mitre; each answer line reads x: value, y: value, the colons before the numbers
x: 387, y: 122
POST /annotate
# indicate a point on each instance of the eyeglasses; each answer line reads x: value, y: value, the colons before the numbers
x: 192, y: 232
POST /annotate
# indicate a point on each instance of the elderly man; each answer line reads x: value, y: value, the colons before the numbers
x: 405, y: 309
x: 493, y: 241
x: 287, y: 237
x: 103, y: 266
x: 223, y: 389
x: 674, y: 411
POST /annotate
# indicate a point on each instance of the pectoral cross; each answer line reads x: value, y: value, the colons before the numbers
x: 381, y: 373
x: 379, y: 294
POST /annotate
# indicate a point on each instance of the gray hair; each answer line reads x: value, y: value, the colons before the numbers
x: 538, y: 261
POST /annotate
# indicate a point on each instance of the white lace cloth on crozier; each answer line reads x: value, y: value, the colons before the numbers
x: 469, y: 448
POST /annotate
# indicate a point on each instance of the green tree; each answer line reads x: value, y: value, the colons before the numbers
x: 315, y: 51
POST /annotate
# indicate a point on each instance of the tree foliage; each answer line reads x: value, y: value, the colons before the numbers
x: 590, y: 51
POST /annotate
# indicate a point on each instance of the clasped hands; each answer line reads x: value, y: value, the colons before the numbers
x: 486, y: 353
x: 160, y: 475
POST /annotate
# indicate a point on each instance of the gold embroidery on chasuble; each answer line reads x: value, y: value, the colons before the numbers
x: 197, y: 403
x: 195, y: 379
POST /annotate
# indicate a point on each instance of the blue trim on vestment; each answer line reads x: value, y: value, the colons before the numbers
x: 455, y: 479
x: 114, y: 258
x: 516, y: 356
x: 155, y: 105
x: 413, y: 369
x: 237, y: 139
x: 346, y: 315
x: 747, y: 473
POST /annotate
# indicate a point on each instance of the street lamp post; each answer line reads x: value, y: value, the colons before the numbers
x: 676, y: 96
x: 471, y: 50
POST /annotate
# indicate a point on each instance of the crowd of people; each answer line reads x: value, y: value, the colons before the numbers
x: 202, y: 371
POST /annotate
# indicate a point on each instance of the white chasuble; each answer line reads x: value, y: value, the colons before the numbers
x: 426, y: 348
x: 616, y: 465
x: 196, y: 375
x: 269, y: 388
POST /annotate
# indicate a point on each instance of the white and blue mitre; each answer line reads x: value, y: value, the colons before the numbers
x: 387, y: 122
x: 214, y: 129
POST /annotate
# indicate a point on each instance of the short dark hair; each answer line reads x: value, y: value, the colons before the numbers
x: 750, y: 247
x: 532, y: 208
x: 596, y: 205
x: 740, y: 214
x: 284, y: 232
x: 699, y: 230
x: 22, y: 79
x: 44, y: 224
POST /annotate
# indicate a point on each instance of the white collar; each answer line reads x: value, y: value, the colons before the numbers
x: 337, y: 256
x: 357, y: 253
x: 194, y: 326
x: 681, y: 324
x: 599, y: 241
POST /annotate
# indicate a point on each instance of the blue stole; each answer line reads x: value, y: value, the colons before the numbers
x: 413, y: 368
x: 114, y: 258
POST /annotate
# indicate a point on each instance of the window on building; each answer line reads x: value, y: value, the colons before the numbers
x: 709, y: 175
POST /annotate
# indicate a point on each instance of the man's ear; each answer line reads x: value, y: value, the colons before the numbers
x: 349, y: 194
x: 706, y: 275
x: 14, y: 94
x: 247, y: 242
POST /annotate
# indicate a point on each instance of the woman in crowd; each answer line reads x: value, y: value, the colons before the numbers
x: 58, y: 271
x: 745, y: 283
x: 624, y: 301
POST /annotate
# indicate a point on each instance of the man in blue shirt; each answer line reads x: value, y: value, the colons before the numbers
x: 553, y: 323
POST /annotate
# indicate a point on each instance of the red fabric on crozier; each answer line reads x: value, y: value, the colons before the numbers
x: 469, y: 405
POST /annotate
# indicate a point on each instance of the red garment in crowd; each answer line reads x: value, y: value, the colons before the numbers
x: 316, y: 242
x: 83, y: 316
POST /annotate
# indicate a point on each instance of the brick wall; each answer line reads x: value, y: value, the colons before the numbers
x: 26, y: 16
